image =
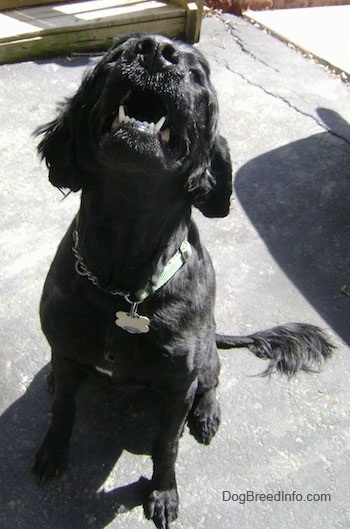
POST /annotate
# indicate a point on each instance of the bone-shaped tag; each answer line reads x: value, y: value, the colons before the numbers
x: 132, y: 324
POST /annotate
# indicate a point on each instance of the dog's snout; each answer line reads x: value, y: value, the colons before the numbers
x: 155, y: 54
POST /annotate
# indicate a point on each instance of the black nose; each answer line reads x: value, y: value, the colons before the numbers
x: 156, y: 54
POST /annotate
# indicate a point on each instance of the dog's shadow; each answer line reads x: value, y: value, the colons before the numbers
x: 298, y: 199
x: 106, y: 425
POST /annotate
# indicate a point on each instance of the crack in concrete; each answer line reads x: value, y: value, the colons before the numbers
x: 243, y: 48
x: 230, y: 27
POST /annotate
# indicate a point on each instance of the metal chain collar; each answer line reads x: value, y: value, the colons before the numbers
x: 82, y: 269
x: 170, y: 269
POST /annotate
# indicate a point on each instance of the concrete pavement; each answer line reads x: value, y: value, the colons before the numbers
x: 281, y: 255
x: 320, y: 31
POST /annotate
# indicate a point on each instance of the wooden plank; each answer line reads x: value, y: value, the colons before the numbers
x: 152, y: 8
x: 89, y: 25
x: 52, y: 11
x: 90, y: 5
x: 194, y: 14
x: 14, y: 4
x: 11, y: 27
x: 100, y: 14
x: 192, y: 22
x: 98, y: 39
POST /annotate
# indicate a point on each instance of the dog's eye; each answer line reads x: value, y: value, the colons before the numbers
x: 196, y: 76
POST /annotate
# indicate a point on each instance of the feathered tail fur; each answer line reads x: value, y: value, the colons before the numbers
x: 289, y: 348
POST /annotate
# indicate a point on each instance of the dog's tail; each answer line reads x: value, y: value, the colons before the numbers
x: 289, y: 348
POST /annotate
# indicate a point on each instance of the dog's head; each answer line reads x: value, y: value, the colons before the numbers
x: 147, y: 108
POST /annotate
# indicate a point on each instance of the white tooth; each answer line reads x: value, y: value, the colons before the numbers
x: 121, y: 114
x: 159, y: 124
x: 126, y: 119
x: 165, y: 135
x: 115, y: 123
x: 151, y: 127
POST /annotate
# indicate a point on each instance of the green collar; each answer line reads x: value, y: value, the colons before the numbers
x: 169, y: 270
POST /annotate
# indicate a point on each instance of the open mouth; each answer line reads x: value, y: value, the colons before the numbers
x: 143, y: 112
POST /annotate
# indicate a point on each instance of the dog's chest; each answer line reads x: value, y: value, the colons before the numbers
x: 131, y: 361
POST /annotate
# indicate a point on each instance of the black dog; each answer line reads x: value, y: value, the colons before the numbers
x: 130, y: 293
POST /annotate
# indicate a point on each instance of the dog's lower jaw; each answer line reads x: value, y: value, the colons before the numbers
x: 134, y: 148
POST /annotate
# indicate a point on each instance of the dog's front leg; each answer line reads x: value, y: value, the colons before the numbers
x: 52, y: 456
x: 162, y: 504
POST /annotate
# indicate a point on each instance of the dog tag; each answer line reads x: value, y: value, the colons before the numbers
x: 132, y: 322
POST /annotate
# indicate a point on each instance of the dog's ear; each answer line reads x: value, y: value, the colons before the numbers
x: 67, y: 145
x: 210, y: 186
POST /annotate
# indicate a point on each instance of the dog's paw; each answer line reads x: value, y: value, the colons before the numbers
x: 49, y: 462
x: 162, y: 507
x: 204, y: 419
